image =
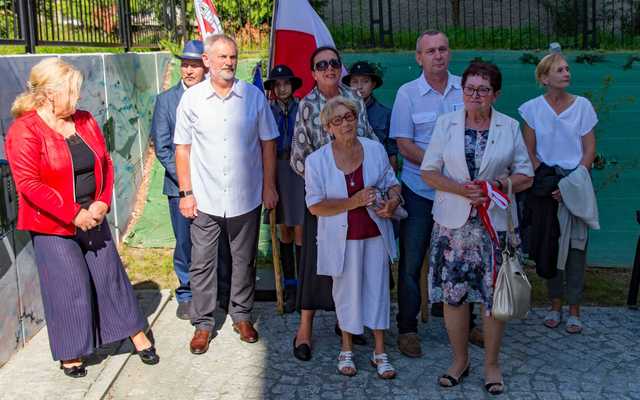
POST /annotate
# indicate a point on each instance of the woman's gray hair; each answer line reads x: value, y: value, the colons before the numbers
x: 329, y: 109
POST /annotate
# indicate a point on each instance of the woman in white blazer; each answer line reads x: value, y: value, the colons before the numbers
x: 470, y: 147
x: 355, y: 234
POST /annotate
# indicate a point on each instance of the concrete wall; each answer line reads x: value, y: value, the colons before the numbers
x: 119, y: 90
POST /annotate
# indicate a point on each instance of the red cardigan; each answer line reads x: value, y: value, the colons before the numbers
x: 42, y: 169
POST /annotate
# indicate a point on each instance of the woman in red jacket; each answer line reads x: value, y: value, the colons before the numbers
x: 64, y: 179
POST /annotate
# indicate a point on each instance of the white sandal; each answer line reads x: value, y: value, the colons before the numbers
x: 574, y: 325
x: 345, y: 360
x: 552, y: 319
x: 382, y: 365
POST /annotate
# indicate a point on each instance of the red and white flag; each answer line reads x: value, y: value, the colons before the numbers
x: 297, y: 31
x: 207, y: 17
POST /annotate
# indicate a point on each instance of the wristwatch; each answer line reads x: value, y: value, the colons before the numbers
x: 185, y: 193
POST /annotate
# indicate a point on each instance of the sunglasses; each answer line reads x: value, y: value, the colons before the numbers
x: 324, y: 64
x: 337, y: 121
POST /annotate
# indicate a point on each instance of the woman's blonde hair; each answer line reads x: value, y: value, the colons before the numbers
x: 544, y: 66
x: 49, y: 75
x: 329, y: 109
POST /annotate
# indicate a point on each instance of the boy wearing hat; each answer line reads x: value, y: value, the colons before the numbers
x: 291, y: 207
x: 365, y: 78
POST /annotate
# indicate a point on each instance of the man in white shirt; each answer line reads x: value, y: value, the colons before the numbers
x: 226, y: 166
x: 417, y: 106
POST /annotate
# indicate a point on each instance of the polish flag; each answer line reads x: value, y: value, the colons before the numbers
x: 297, y: 30
x: 207, y: 17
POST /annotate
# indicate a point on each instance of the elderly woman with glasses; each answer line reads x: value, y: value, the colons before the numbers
x: 314, y: 291
x: 473, y: 152
x: 355, y: 235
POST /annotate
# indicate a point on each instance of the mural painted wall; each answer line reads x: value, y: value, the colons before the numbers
x: 119, y: 90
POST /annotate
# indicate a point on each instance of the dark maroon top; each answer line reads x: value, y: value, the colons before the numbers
x: 359, y: 224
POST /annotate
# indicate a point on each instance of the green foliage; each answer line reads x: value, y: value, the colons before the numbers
x: 172, y: 47
x: 601, y: 101
x: 603, y: 106
x: 238, y: 13
x: 529, y: 58
x: 590, y: 58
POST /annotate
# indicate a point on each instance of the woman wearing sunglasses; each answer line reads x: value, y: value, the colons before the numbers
x: 314, y: 291
x: 355, y: 235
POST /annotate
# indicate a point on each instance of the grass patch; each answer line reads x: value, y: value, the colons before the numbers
x: 149, y: 265
x: 604, y: 286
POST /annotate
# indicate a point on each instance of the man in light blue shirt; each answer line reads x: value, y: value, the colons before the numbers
x: 417, y: 106
x: 226, y: 165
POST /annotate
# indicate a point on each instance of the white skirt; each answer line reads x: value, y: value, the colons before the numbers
x: 361, y: 294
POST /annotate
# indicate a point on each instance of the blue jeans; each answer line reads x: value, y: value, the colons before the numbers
x: 182, y: 256
x: 415, y: 237
x: 182, y: 252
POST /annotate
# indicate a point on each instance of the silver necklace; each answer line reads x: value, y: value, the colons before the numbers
x: 350, y: 176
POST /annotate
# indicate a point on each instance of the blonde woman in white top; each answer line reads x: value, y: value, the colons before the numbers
x: 559, y: 131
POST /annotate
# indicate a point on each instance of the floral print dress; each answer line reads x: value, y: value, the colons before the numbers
x: 461, y: 259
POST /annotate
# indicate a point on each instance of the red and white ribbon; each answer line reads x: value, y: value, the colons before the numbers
x: 502, y: 201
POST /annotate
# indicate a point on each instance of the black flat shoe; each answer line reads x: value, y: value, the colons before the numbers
x: 78, y: 371
x: 454, y: 381
x: 489, y: 387
x: 355, y: 339
x: 302, y: 352
x: 149, y: 356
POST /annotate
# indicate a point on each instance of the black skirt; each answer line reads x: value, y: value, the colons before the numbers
x: 314, y: 291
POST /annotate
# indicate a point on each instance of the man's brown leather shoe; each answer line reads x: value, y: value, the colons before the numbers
x: 200, y: 341
x: 247, y: 332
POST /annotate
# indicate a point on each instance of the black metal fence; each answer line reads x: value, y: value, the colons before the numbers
x: 110, y: 23
x: 507, y: 24
x: 481, y: 24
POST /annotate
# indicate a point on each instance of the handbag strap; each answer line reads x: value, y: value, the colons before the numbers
x: 511, y: 232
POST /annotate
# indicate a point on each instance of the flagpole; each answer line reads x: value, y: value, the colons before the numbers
x: 272, y: 34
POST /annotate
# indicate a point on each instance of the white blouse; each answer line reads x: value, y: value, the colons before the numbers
x: 559, y: 136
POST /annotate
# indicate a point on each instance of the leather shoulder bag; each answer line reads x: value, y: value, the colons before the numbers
x: 512, y: 292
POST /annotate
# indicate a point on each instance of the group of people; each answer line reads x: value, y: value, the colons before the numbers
x: 329, y: 164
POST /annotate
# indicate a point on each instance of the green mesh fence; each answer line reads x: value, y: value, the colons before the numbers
x: 615, y: 92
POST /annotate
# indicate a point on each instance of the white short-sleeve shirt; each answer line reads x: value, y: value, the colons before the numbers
x: 415, y: 111
x: 226, y: 153
x: 559, y: 136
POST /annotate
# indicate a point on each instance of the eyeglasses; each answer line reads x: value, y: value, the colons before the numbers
x: 324, y: 64
x: 337, y: 121
x: 482, y: 91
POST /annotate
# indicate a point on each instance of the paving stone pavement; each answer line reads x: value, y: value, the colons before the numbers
x: 537, y: 362
x: 32, y: 374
